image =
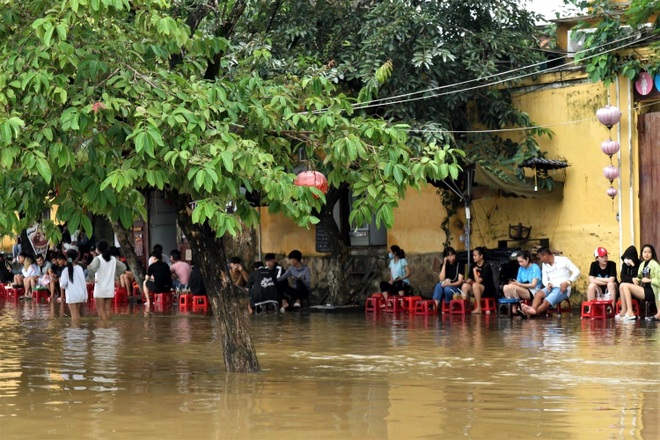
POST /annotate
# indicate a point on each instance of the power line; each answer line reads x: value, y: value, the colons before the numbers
x: 533, y: 127
x: 451, y: 92
x: 494, y: 75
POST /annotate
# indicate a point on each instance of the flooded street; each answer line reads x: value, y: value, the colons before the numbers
x: 327, y: 376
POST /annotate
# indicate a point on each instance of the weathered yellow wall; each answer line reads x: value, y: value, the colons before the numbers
x: 586, y: 217
x: 281, y: 235
x: 417, y: 222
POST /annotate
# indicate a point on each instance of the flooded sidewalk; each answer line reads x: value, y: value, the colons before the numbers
x: 326, y: 376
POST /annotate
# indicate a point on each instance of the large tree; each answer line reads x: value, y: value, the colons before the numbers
x: 101, y: 100
x: 438, y: 65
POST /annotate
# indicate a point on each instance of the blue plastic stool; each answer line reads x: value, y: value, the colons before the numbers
x: 504, y: 306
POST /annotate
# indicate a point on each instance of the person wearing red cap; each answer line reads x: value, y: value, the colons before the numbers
x: 602, y: 278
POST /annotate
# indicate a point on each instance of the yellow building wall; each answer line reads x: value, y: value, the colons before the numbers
x: 417, y: 222
x: 280, y: 235
x: 586, y: 217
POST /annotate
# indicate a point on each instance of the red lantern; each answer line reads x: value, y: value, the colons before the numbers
x: 312, y: 178
x: 610, y: 147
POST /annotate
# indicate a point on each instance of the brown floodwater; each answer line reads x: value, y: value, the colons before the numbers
x: 326, y: 376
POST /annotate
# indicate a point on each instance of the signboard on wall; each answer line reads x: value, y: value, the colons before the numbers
x: 322, y: 240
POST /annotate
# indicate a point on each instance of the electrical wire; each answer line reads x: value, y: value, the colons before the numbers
x: 494, y: 75
x: 533, y: 127
x: 451, y: 92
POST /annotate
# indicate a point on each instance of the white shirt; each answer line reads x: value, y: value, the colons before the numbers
x: 103, y: 273
x: 560, y: 271
x: 76, y: 289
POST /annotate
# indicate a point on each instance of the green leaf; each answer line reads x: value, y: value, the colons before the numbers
x: 44, y: 169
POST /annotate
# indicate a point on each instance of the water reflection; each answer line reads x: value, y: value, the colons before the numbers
x: 160, y: 374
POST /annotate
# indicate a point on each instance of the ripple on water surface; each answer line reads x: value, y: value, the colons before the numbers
x: 161, y: 375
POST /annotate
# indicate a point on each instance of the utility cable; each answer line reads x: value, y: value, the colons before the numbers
x: 494, y: 75
x: 451, y: 92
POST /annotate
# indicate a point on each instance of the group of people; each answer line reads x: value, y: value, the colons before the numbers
x: 550, y: 283
x: 480, y: 281
x: 270, y: 282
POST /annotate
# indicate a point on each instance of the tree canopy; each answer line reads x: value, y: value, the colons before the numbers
x: 619, y: 25
x: 101, y: 99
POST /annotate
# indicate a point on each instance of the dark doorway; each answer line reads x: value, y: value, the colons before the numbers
x: 649, y: 177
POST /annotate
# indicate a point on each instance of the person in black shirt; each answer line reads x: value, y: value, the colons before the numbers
x: 480, y: 281
x: 629, y: 265
x: 450, y: 278
x: 158, y: 278
x: 196, y: 282
x: 602, y: 277
x: 262, y: 283
x: 5, y: 271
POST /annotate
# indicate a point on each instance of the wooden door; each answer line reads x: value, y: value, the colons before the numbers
x: 649, y: 178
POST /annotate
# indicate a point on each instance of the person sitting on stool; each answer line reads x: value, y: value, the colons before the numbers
x: 158, y: 278
x: 299, y: 279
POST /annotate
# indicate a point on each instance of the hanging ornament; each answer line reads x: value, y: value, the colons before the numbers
x: 611, y: 172
x: 612, y: 192
x: 610, y: 147
x: 312, y: 178
x: 609, y: 116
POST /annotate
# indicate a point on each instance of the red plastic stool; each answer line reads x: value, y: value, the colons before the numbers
x: 445, y: 307
x: 394, y: 304
x: 426, y: 307
x: 90, y: 292
x: 408, y: 302
x: 377, y: 295
x: 3, y: 293
x: 40, y: 294
x: 14, y: 293
x: 163, y: 299
x: 560, y: 308
x: 635, y: 307
x: 488, y: 305
x: 586, y: 310
x: 372, y: 305
x: 200, y: 302
x: 121, y: 296
x: 185, y: 301
x: 459, y: 307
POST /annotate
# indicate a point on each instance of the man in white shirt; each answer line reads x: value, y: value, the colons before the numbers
x: 558, y: 273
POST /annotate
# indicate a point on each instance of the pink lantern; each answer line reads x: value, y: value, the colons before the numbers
x: 312, y: 178
x: 612, y: 192
x: 609, y: 115
x: 610, y: 147
x: 611, y: 172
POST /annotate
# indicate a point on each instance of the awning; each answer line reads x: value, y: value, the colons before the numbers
x: 514, y: 188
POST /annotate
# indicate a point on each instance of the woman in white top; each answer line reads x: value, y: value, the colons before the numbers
x: 29, y: 269
x: 399, y: 281
x: 103, y: 270
x: 72, y: 282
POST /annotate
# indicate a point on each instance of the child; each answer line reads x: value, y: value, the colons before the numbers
x: 73, y: 283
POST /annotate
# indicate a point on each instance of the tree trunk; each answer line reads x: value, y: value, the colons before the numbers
x: 103, y: 229
x: 229, y: 303
x: 338, y: 294
x: 243, y: 245
x: 123, y: 236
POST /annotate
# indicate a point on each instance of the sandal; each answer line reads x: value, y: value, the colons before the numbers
x: 521, y: 313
